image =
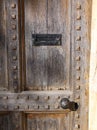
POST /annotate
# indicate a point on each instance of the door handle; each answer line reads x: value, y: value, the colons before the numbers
x: 66, y: 104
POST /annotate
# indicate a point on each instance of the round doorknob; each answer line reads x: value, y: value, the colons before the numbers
x: 66, y: 104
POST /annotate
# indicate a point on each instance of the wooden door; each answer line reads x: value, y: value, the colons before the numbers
x: 44, y: 64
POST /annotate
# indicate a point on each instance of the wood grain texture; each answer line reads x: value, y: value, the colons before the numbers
x: 10, y: 121
x: 47, y: 67
x: 81, y: 18
x: 4, y: 122
x: 86, y: 48
x: 13, y: 45
x: 47, y: 122
x: 3, y: 47
x: 33, y: 101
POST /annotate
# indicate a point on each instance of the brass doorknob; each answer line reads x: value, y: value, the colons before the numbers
x: 66, y: 104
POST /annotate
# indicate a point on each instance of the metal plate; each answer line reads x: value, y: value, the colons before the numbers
x: 46, y: 39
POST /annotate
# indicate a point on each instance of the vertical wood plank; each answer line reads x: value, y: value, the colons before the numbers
x: 4, y: 122
x: 86, y: 35
x: 47, y: 122
x: 13, y: 45
x: 35, y: 22
x: 11, y: 121
x: 47, y: 67
x: 3, y: 47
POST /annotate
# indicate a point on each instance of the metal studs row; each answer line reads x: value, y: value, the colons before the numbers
x: 14, y: 38
x: 31, y: 102
x: 77, y: 46
x: 59, y: 88
x: 78, y: 61
x: 12, y: 29
x: 34, y: 97
x: 34, y: 107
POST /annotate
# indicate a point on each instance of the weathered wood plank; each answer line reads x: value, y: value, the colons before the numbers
x: 47, y: 67
x: 85, y: 52
x: 33, y: 101
x: 81, y: 15
x: 3, y: 47
x: 11, y: 121
x: 13, y: 44
x: 4, y: 122
x: 47, y: 121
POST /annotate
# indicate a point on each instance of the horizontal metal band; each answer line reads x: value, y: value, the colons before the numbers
x: 33, y: 101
